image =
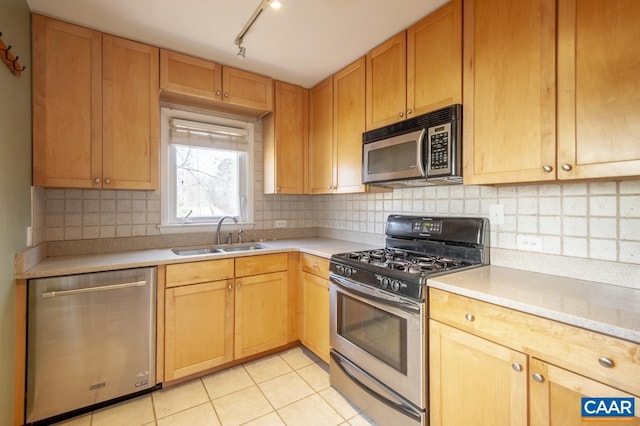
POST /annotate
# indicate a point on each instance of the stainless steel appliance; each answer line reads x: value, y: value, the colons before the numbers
x: 379, y: 312
x: 424, y: 150
x: 90, y: 339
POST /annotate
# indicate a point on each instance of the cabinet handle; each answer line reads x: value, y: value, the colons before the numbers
x: 277, y: 189
x: 566, y: 167
x: 469, y: 317
x: 538, y: 377
x: 226, y: 95
x: 96, y: 180
x: 107, y: 181
x: 218, y: 93
x: 230, y: 287
x: 547, y: 168
x: 409, y: 111
x: 238, y: 285
x: 314, y: 266
x: 517, y: 367
x: 401, y: 114
x: 606, y: 362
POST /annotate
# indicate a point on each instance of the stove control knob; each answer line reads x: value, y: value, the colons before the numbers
x: 384, y: 282
x: 340, y: 269
x: 395, y: 285
x: 348, y: 271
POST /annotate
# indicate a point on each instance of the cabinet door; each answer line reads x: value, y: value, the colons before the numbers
x: 261, y: 313
x: 473, y: 381
x: 315, y: 314
x: 509, y: 99
x: 246, y: 89
x: 198, y: 327
x: 67, y: 105
x: 434, y: 60
x: 598, y: 89
x: 387, y: 82
x: 556, y: 396
x: 348, y: 125
x: 186, y: 75
x: 131, y: 130
x: 322, y: 153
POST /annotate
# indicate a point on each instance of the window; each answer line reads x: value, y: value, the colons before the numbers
x: 209, y: 171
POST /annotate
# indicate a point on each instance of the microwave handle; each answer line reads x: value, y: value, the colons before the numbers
x: 421, y: 146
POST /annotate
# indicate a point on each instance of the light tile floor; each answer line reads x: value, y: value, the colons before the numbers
x: 290, y: 388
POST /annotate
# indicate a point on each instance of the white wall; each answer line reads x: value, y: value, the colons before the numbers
x: 15, y: 181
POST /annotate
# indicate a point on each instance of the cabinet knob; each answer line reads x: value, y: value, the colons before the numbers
x: 401, y: 114
x: 566, y: 167
x: 96, y: 180
x: 538, y: 377
x: 277, y: 189
x: 409, y: 111
x: 218, y: 93
x: 107, y: 181
x: 314, y: 266
x: 469, y: 317
x: 517, y: 367
x: 606, y: 362
x: 238, y: 285
x: 230, y: 287
x: 226, y: 95
x: 547, y: 168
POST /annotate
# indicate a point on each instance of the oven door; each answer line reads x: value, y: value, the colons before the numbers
x: 395, y: 158
x: 381, y: 334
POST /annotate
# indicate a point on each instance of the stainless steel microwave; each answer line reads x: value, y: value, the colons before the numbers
x: 424, y: 150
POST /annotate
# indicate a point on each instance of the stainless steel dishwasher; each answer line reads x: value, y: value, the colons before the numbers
x: 91, y: 338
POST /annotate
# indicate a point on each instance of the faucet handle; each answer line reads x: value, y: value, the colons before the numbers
x: 240, y: 232
x: 230, y: 238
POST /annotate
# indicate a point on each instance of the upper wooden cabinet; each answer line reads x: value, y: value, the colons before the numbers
x: 285, y: 142
x: 193, y: 80
x: 95, y: 109
x: 322, y: 150
x: 598, y: 89
x: 511, y: 90
x: 418, y: 70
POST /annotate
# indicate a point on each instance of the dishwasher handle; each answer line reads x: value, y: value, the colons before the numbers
x: 50, y: 294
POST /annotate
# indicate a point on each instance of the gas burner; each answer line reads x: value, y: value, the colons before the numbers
x: 396, y: 266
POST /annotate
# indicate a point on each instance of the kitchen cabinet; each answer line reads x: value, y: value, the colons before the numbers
x: 418, y: 70
x: 199, y: 310
x: 598, y: 89
x: 261, y: 311
x: 188, y: 79
x: 572, y: 359
x: 474, y: 381
x: 314, y: 281
x: 322, y: 149
x: 285, y: 142
x: 96, y: 116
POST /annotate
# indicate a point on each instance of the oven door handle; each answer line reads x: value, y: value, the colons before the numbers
x: 374, y: 388
x: 361, y: 291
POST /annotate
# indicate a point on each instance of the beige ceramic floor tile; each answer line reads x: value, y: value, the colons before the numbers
x: 339, y: 403
x: 227, y: 381
x: 361, y: 420
x: 201, y: 415
x: 271, y: 419
x: 311, y: 411
x: 136, y: 412
x: 267, y: 368
x: 77, y: 421
x: 285, y: 389
x: 242, y: 406
x: 178, y: 398
x: 316, y: 376
x: 299, y: 357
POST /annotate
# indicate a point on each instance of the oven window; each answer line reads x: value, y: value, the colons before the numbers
x: 379, y: 333
x: 394, y: 158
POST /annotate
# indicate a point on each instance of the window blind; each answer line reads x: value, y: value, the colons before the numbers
x: 193, y: 133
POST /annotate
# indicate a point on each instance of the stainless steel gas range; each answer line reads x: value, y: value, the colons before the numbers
x: 379, y: 312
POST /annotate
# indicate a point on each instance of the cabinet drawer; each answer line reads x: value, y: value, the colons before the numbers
x: 576, y: 349
x: 315, y: 265
x: 198, y: 272
x: 264, y: 264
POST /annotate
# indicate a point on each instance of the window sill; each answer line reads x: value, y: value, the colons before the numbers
x: 191, y: 227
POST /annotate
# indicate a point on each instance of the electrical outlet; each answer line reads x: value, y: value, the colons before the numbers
x: 496, y: 214
x: 281, y: 223
x: 29, y: 236
x: 529, y: 243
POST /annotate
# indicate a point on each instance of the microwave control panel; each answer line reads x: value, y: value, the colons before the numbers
x: 439, y: 150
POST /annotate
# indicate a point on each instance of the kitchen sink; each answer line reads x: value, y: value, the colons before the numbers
x: 194, y: 251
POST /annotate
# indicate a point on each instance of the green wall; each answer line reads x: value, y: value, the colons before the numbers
x: 15, y: 182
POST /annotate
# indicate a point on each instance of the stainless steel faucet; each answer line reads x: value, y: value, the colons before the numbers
x: 235, y: 219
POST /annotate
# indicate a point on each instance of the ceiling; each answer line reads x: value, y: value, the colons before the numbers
x: 301, y: 43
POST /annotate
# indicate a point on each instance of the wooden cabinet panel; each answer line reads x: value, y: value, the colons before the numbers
x: 285, y: 147
x: 473, y: 381
x: 434, y: 60
x: 315, y: 314
x: 246, y: 89
x: 322, y: 150
x: 261, y: 313
x: 131, y: 126
x: 598, y: 89
x: 263, y: 264
x: 198, y: 327
x: 315, y: 265
x: 556, y: 399
x: 198, y: 272
x: 509, y: 82
x: 67, y: 104
x: 183, y: 74
x: 386, y: 85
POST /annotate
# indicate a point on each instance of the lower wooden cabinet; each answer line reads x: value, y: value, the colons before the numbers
x: 198, y: 327
x: 314, y: 304
x: 473, y: 381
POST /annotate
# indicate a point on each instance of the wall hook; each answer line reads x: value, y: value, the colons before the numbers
x: 11, y: 61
